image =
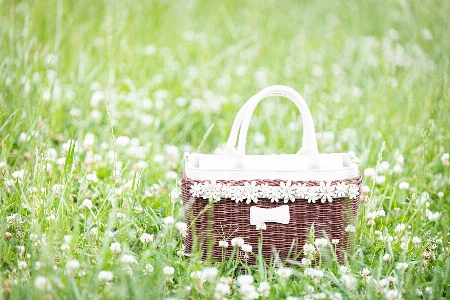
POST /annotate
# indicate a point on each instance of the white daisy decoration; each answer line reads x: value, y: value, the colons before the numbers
x: 326, y: 191
x: 287, y: 191
x: 238, y: 194
x: 265, y: 191
x: 251, y: 192
x: 353, y: 191
x: 197, y: 190
x: 275, y: 195
x: 301, y: 190
x: 341, y: 189
x: 312, y: 195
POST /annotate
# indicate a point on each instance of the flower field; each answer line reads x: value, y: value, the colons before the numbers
x: 99, y: 100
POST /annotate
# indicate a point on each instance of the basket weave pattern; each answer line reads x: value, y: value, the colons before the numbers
x: 227, y: 219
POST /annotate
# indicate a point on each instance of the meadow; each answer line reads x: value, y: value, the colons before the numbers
x: 100, y: 99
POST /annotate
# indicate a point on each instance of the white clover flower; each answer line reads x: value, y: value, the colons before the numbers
x: 146, y: 238
x: 237, y: 241
x: 182, y: 228
x: 264, y: 289
x: 168, y: 220
x: 344, y: 270
x: 244, y: 280
x: 168, y: 270
x: 432, y: 216
x: 21, y: 264
x: 402, y: 266
x: 403, y: 185
x: 93, y: 231
x: 72, y: 265
x: 284, y: 272
x: 51, y: 217
x: 21, y: 249
x: 397, y: 169
x: 248, y: 292
x: 68, y: 238
x: 336, y: 296
x: 42, y: 283
x: 9, y: 183
x: 247, y: 248
x: 388, y: 238
x: 365, y: 272
x: 383, y: 167
x: 349, y: 281
x: 370, y: 173
x: 309, y: 250
x: 287, y: 191
x: 261, y: 226
x: 128, y: 259
x: 171, y: 175
x: 221, y: 291
x: 209, y: 273
x: 196, y: 275
x: 429, y: 290
x: 386, y: 257
x: 320, y: 242
x: 148, y: 268
x: 115, y: 247
x: 313, y: 273
x: 92, y: 177
x: 419, y: 292
x: 306, y: 261
x: 223, y: 244
x: 18, y: 175
x: 399, y: 228
x: 445, y: 159
x: 380, y: 213
x: 380, y: 179
x: 326, y: 191
x: 87, y: 203
x: 105, y: 275
x: 335, y: 241
x: 350, y: 228
x: 138, y: 209
x: 393, y: 295
x: 121, y: 215
x: 64, y: 247
x: 301, y: 190
x: 251, y: 192
x: 365, y: 189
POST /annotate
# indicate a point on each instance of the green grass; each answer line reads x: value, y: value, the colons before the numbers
x: 373, y: 73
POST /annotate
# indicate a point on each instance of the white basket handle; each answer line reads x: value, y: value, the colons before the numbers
x: 242, y: 120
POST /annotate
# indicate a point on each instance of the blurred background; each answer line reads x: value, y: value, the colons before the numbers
x: 167, y: 70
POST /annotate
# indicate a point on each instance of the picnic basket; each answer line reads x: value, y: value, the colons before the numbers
x: 269, y: 201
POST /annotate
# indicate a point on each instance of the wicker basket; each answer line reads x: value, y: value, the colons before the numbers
x: 227, y: 201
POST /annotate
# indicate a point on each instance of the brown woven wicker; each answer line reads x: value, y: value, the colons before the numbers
x: 226, y: 219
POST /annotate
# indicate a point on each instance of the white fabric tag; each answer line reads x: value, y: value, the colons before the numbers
x: 278, y: 214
